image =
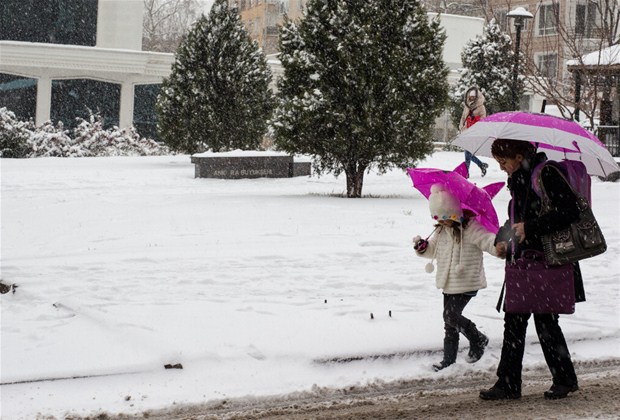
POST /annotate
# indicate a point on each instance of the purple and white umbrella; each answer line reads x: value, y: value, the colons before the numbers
x: 560, y: 139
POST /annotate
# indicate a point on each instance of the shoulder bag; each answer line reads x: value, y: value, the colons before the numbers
x: 535, y: 287
x: 581, y: 239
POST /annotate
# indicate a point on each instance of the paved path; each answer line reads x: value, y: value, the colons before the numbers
x: 599, y: 397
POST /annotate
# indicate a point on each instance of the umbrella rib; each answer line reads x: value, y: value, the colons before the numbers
x: 601, y: 165
x: 480, y: 147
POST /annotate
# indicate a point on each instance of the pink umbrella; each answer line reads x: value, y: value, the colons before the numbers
x: 471, y: 196
x: 559, y: 138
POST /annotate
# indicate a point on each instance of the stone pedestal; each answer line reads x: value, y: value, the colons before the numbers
x: 237, y: 165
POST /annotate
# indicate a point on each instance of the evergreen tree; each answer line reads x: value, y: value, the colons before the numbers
x: 488, y: 62
x: 363, y: 83
x: 217, y: 96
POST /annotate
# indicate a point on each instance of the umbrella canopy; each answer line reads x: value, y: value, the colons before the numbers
x: 471, y: 196
x: 559, y: 138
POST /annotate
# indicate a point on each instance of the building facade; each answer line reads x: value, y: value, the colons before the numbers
x: 262, y: 17
x: 558, y: 32
x: 65, y: 59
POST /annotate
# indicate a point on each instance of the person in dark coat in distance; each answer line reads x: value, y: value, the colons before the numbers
x: 518, y: 159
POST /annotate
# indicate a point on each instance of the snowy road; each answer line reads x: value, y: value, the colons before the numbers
x: 422, y: 399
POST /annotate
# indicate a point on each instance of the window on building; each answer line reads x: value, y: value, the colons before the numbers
x: 144, y: 113
x: 80, y: 97
x: 19, y: 95
x: 502, y: 20
x: 283, y: 7
x: 271, y: 20
x: 72, y: 22
x: 548, y: 65
x: 257, y: 26
x: 548, y: 18
x: 525, y: 103
x: 586, y: 15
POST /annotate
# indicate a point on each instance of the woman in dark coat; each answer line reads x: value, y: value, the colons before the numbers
x: 518, y: 159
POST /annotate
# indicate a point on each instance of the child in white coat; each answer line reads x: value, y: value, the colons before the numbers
x: 457, y: 243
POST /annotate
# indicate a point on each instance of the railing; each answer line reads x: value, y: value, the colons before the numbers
x: 610, y: 136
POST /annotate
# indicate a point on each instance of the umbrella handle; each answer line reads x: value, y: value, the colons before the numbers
x: 431, y: 234
x: 421, y: 244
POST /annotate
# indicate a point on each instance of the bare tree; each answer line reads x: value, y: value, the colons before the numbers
x: 166, y: 22
x: 457, y: 7
x: 570, y: 34
x: 585, y: 28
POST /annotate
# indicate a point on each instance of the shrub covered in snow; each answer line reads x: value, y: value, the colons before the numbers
x: 91, y: 139
x: 49, y: 140
x: 22, y: 139
x: 14, y: 135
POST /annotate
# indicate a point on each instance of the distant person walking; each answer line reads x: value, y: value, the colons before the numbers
x: 473, y: 111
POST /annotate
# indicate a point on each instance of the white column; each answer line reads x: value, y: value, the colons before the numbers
x: 44, y: 99
x: 119, y: 24
x: 125, y: 118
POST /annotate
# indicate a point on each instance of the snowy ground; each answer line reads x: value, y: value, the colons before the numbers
x: 127, y: 264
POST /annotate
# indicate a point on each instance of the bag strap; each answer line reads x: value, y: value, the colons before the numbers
x: 545, y: 197
x: 512, y: 221
x: 535, y: 179
x: 498, y: 307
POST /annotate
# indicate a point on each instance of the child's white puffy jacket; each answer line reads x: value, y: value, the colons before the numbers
x: 460, y: 267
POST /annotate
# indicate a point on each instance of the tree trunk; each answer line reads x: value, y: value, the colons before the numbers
x: 355, y: 180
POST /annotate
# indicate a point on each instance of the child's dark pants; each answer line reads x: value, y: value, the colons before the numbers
x: 455, y: 323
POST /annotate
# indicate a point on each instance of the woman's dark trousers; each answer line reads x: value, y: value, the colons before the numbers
x: 553, y: 346
x: 455, y: 323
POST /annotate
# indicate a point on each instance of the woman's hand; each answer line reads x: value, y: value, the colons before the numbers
x: 501, y: 249
x: 519, y: 229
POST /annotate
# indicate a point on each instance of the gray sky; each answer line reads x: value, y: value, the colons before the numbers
x: 207, y: 4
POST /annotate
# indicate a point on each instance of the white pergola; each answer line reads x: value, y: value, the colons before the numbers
x: 47, y: 62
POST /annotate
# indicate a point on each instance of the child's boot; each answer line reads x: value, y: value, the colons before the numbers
x: 441, y: 365
x: 450, y: 349
x: 476, y: 348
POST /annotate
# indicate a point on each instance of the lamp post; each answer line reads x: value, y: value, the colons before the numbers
x: 519, y: 14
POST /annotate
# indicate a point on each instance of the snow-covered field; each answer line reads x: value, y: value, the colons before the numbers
x: 127, y: 264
